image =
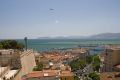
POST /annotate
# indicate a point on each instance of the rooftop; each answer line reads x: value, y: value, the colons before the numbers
x: 66, y: 73
x: 110, y: 76
x: 6, y: 49
x: 48, y: 73
x: 44, y: 73
x: 113, y: 47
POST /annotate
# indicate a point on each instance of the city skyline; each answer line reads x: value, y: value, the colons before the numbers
x: 41, y: 18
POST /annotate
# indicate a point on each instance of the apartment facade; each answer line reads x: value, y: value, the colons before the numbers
x: 111, y: 59
x: 6, y: 56
x: 27, y: 59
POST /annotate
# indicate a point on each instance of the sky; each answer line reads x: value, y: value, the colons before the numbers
x: 41, y: 18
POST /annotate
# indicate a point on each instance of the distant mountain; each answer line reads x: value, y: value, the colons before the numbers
x: 98, y: 36
x: 64, y: 37
x: 106, y: 36
x: 71, y: 37
x: 44, y: 37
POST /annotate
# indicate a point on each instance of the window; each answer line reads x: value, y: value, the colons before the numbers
x: 0, y: 53
x: 10, y: 53
x: 65, y: 79
x: 106, y: 52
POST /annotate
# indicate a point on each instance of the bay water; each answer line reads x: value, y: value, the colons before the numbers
x: 49, y: 44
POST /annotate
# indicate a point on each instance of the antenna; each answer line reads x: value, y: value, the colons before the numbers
x: 25, y: 43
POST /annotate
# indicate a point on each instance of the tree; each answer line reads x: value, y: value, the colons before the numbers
x: 96, y: 63
x: 77, y: 64
x: 89, y: 59
x: 74, y: 64
x: 82, y: 64
x: 1, y: 46
x: 96, y: 66
x: 76, y: 78
x: 94, y: 76
x: 97, y: 59
x: 39, y: 67
x: 11, y: 44
x: 20, y: 46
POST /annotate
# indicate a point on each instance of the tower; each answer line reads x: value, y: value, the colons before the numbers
x: 25, y: 43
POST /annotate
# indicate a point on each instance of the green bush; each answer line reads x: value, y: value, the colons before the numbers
x: 94, y: 76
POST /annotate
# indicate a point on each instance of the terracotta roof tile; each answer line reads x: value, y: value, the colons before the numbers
x: 42, y: 73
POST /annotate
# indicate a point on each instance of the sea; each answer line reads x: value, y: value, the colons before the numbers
x: 51, y: 44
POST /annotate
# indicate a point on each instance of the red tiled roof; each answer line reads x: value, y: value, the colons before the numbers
x: 48, y: 73
x: 44, y: 73
x: 35, y: 74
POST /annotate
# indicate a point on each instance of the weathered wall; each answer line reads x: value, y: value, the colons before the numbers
x: 27, y: 63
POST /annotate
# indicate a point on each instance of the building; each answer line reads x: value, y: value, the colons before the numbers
x: 14, y: 64
x: 77, y: 52
x: 66, y: 75
x: 110, y: 76
x: 27, y: 59
x: 3, y: 70
x: 49, y: 75
x: 7, y: 56
x: 41, y: 75
x: 111, y: 59
x: 9, y: 63
x: 58, y: 56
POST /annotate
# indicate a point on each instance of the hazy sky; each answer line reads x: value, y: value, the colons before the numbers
x: 34, y: 18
